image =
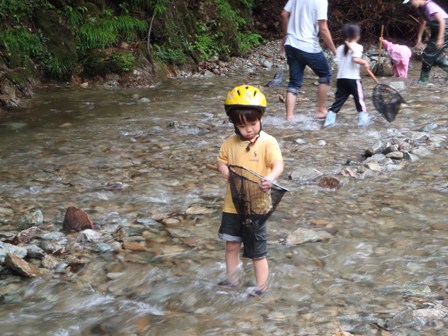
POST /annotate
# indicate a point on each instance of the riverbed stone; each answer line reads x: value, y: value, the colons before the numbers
x: 76, y: 220
x: 32, y: 218
x: 303, y: 235
x: 21, y: 266
x: 6, y: 248
x: 396, y: 155
x: 304, y: 174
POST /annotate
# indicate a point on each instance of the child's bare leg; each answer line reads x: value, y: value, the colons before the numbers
x: 232, y: 261
x: 322, y: 93
x: 261, y: 270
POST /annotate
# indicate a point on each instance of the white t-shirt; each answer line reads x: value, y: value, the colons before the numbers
x: 303, y: 27
x: 346, y: 67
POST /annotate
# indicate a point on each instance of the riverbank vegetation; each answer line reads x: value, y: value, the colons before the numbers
x: 75, y: 40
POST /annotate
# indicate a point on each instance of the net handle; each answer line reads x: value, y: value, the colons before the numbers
x: 373, y: 76
x: 215, y: 167
x: 381, y: 44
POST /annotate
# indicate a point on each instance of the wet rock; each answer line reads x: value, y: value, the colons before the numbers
x: 51, y: 247
x: 410, y: 157
x: 428, y: 314
x: 50, y: 262
x: 377, y: 148
x: 33, y: 218
x: 27, y: 235
x: 374, y: 166
x: 440, y: 226
x: 6, y: 248
x: 429, y: 127
x: 277, y: 81
x: 321, y: 143
x: 301, y: 141
x: 304, y: 174
x: 133, y: 246
x: 34, y: 251
x: 199, y: 210
x: 267, y: 64
x: 106, y: 248
x: 21, y: 266
x: 76, y: 220
x: 330, y: 182
x: 395, y: 155
x: 89, y: 235
x: 302, y: 235
x: 8, y: 236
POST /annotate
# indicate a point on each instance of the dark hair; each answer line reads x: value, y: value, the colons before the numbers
x: 243, y: 115
x: 349, y: 32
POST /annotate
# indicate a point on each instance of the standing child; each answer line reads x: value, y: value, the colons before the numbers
x: 349, y: 59
x: 252, y: 148
x: 436, y: 18
x: 400, y: 56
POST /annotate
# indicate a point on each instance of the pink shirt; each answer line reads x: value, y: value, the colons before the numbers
x: 396, y: 51
x: 429, y: 9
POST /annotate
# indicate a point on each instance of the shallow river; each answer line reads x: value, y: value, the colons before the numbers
x: 133, y: 157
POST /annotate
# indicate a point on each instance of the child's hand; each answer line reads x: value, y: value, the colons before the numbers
x: 265, y: 185
x: 439, y: 43
x: 419, y: 45
x: 381, y: 39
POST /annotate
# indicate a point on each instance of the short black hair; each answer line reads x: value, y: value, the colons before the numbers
x: 241, y: 115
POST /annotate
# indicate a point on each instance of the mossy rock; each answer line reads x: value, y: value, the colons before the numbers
x: 60, y: 38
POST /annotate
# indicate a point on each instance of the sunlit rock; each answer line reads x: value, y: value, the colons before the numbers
x: 302, y: 235
x: 21, y: 266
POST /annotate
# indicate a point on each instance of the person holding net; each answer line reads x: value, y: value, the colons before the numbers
x: 349, y: 61
x: 258, y: 151
x: 431, y: 15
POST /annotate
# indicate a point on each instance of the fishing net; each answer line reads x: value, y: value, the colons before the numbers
x: 253, y: 205
x: 387, y: 101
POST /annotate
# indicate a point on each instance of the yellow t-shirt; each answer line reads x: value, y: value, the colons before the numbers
x: 259, y: 158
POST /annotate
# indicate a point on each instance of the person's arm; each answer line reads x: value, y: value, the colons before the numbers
x: 277, y: 170
x: 421, y: 29
x: 285, y: 20
x: 361, y: 62
x: 326, y: 35
x: 223, y: 169
x: 441, y: 35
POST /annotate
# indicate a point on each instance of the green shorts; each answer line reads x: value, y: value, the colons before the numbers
x: 253, y: 237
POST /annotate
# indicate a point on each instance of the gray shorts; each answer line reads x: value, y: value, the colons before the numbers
x: 253, y: 237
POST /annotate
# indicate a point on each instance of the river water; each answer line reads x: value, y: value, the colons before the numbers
x: 136, y: 158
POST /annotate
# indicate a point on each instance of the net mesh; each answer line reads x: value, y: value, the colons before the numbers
x: 387, y: 101
x: 253, y: 205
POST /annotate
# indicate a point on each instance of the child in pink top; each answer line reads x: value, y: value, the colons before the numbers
x: 400, y: 55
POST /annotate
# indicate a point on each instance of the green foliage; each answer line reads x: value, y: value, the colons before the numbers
x: 20, y: 9
x: 247, y: 41
x: 55, y: 68
x: 170, y: 56
x: 21, y: 46
x: 226, y: 12
x: 75, y: 16
x: 206, y: 43
x: 22, y: 42
x: 105, y: 32
x: 123, y: 61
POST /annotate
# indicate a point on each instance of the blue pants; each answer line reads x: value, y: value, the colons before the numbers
x: 298, y: 60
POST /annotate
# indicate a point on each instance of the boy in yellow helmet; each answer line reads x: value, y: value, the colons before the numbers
x: 251, y: 148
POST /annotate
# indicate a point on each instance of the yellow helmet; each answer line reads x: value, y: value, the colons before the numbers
x: 245, y: 96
